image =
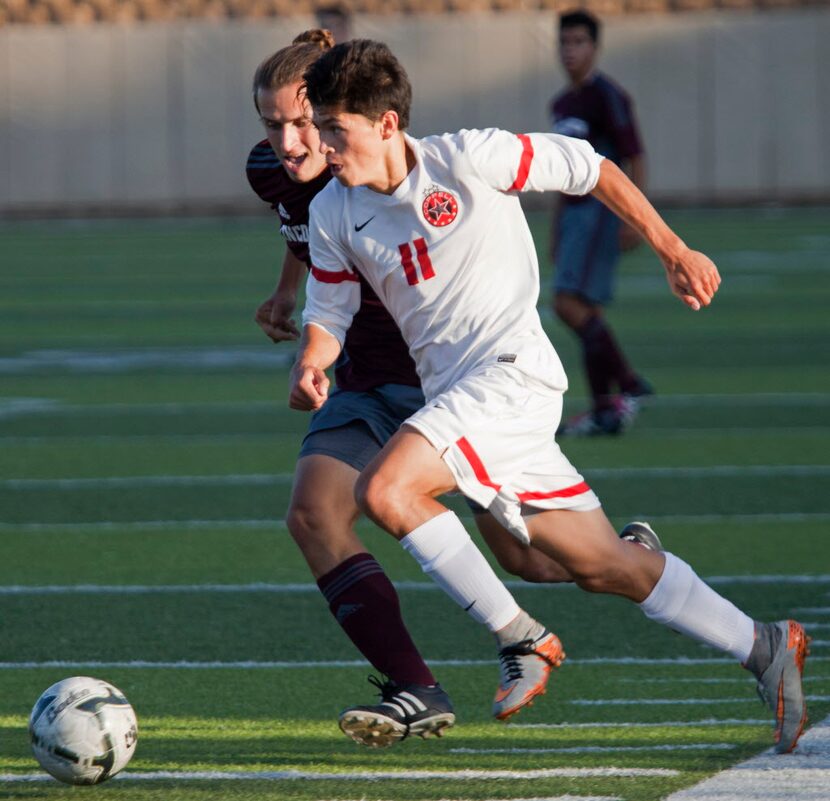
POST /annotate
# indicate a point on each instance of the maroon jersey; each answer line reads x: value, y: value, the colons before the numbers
x: 601, y: 112
x: 374, y: 352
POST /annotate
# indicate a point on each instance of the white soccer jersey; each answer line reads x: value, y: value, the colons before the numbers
x: 449, y: 252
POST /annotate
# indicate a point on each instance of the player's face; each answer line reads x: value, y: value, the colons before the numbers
x: 287, y: 119
x: 353, y: 147
x: 577, y: 51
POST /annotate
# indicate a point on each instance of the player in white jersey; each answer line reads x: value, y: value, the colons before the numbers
x: 434, y: 225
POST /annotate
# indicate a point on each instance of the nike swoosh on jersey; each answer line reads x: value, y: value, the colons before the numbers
x: 361, y: 227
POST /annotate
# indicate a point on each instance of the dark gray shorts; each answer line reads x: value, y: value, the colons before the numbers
x: 353, y: 426
x: 587, y: 251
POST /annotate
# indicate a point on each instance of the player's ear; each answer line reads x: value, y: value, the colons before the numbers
x: 388, y: 124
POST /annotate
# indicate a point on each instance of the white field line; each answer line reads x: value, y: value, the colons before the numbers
x: 658, y: 433
x: 598, y: 749
x: 252, y: 664
x: 803, y: 775
x: 308, y: 587
x: 97, y: 362
x: 749, y: 681
x: 17, y: 406
x: 674, y: 701
x: 267, y: 479
x: 409, y: 775
x: 652, y: 725
x: 264, y: 523
x: 813, y: 610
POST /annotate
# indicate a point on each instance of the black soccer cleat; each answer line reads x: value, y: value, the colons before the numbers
x: 404, y: 710
x: 642, y: 534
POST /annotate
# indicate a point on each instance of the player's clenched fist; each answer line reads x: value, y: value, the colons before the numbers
x: 693, y: 277
x: 309, y: 388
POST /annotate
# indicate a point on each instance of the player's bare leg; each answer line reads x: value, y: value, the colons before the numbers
x: 588, y: 547
x: 526, y: 562
x: 397, y: 490
x: 323, y: 512
x: 321, y: 520
x: 669, y: 592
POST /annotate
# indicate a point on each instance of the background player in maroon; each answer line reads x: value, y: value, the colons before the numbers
x: 287, y: 171
x: 377, y: 388
x: 586, y: 236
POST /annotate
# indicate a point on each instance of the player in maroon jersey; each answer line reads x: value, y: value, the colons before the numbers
x: 377, y: 389
x: 586, y: 237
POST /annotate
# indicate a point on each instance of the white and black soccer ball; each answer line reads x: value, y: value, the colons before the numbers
x: 83, y: 730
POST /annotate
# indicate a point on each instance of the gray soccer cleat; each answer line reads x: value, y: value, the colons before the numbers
x: 404, y: 710
x: 641, y: 533
x: 525, y: 669
x: 779, y: 685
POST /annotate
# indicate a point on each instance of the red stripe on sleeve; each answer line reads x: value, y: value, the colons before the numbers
x: 567, y: 492
x: 524, y: 163
x: 476, y: 463
x: 326, y: 277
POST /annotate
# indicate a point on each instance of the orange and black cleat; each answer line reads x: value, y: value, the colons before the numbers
x: 525, y: 670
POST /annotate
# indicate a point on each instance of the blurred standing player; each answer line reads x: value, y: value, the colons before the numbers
x: 436, y: 227
x: 377, y: 389
x: 586, y: 236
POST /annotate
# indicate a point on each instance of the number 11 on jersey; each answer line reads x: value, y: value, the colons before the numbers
x: 424, y: 263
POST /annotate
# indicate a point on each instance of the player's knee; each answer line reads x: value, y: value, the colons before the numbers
x: 310, y: 520
x: 303, y: 520
x: 373, y: 493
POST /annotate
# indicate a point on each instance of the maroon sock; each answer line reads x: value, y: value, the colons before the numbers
x: 365, y: 604
x: 605, y: 364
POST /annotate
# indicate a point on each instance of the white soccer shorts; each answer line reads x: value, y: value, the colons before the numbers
x: 495, y: 430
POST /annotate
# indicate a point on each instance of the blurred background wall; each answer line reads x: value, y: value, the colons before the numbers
x: 157, y: 116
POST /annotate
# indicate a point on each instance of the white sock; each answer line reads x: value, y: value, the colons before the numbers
x: 683, y: 602
x: 445, y: 551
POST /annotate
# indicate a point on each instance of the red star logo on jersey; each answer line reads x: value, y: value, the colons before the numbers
x: 440, y: 208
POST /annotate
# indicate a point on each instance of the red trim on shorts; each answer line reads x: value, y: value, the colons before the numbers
x: 567, y: 492
x: 476, y: 463
x: 524, y: 163
x: 326, y: 277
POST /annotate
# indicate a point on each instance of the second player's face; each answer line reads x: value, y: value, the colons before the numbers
x: 353, y: 147
x: 287, y: 119
x: 577, y: 50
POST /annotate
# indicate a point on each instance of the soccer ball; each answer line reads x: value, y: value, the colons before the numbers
x: 83, y: 730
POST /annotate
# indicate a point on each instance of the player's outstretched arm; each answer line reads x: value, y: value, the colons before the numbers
x: 274, y: 314
x: 692, y: 276
x: 309, y: 387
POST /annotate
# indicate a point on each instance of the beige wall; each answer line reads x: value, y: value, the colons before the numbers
x: 732, y: 105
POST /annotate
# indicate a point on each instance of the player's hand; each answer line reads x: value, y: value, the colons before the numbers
x: 274, y: 317
x: 629, y: 238
x: 309, y: 388
x: 692, y: 276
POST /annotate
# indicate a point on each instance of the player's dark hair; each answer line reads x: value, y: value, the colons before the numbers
x: 575, y: 19
x: 360, y: 77
x: 287, y: 65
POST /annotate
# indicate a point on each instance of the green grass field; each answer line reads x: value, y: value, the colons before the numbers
x: 146, y: 454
